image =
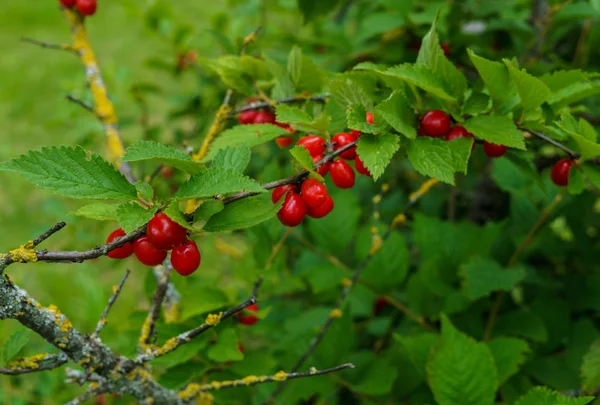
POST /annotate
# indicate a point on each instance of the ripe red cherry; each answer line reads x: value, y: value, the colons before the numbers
x: 323, y: 209
x: 435, y: 123
x: 458, y: 132
x: 164, y: 233
x: 315, y: 145
x: 185, y: 258
x: 560, y: 172
x: 67, y: 3
x: 324, y: 168
x: 146, y: 253
x: 343, y: 139
x: 356, y: 133
x: 247, y: 117
x: 278, y: 192
x: 342, y: 174
x: 122, y: 252
x: 87, y: 7
x: 293, y: 210
x: 264, y: 117
x: 370, y: 119
x: 379, y: 305
x: 359, y: 165
x: 284, y: 141
x: 494, y: 150
x: 249, y: 319
x: 314, y: 193
x: 446, y: 48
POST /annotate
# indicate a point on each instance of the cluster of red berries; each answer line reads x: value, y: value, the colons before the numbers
x: 162, y: 234
x: 85, y: 7
x: 266, y: 117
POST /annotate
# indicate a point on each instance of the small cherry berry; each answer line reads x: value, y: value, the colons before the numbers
x: 370, y: 119
x: 185, y: 258
x: 494, y: 150
x: 435, y: 123
x: 314, y: 193
x: 343, y: 139
x: 247, y: 117
x: 249, y: 319
x: 87, y: 7
x: 342, y: 174
x: 122, y: 252
x: 560, y: 172
x: 164, y: 233
x: 264, y: 117
x: 280, y: 191
x: 240, y: 348
x: 446, y: 48
x: 284, y: 141
x: 379, y: 305
x: 67, y: 3
x: 458, y: 131
x: 356, y: 133
x: 293, y: 210
x: 324, y: 168
x: 315, y: 145
x: 323, y: 209
x: 359, y: 165
x: 146, y: 253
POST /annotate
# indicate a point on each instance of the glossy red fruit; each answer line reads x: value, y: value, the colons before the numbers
x: 293, y: 210
x: 458, y: 131
x: 315, y: 145
x: 164, y: 233
x: 435, y: 123
x: 342, y: 174
x: 284, y: 141
x: 359, y: 165
x: 356, y: 133
x: 323, y: 209
x: 122, y: 252
x: 313, y: 192
x: 67, y: 3
x: 324, y: 168
x: 494, y: 150
x: 87, y: 7
x: 343, y: 139
x: 379, y: 305
x: 278, y: 192
x: 560, y: 172
x: 264, y: 117
x: 249, y: 319
x: 247, y: 117
x: 146, y: 253
x: 446, y: 48
x: 370, y: 119
x: 185, y: 258
x: 241, y: 348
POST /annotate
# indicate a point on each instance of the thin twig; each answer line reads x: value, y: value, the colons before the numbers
x: 321, y: 98
x: 49, y: 45
x: 91, y: 393
x: 80, y: 102
x: 34, y: 364
x: 149, y: 327
x: 57, y: 227
x: 117, y: 289
x: 572, y: 154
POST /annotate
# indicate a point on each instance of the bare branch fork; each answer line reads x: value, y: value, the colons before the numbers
x: 321, y: 98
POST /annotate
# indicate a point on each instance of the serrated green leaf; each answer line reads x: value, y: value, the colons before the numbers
x: 98, y: 211
x: 15, y: 343
x: 461, y: 371
x: 418, y: 348
x: 509, y: 355
x: 420, y: 76
x: 347, y: 91
x: 302, y: 156
x: 376, y: 151
x: 145, y: 190
x: 397, y: 112
x: 251, y: 135
x: 283, y: 87
x: 294, y: 64
x: 207, y: 209
x: 312, y: 79
x: 496, y: 129
x: 301, y: 119
x: 173, y: 212
x: 131, y: 216
x: 226, y: 347
x: 590, y: 369
x: 235, y: 158
x: 482, y: 276
x: 151, y: 150
x: 588, y: 148
x: 356, y: 116
x: 476, y: 103
x: 576, y: 184
x: 238, y: 72
x: 243, y: 214
x: 532, y: 91
x: 438, y: 158
x: 496, y: 78
x: 545, y: 396
x: 72, y: 172
x: 216, y: 181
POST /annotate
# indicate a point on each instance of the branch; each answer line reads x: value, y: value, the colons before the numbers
x: 48, y: 45
x: 116, y: 290
x: 33, y: 364
x: 148, y: 329
x: 321, y: 98
x: 79, y: 102
x: 90, y: 393
x: 172, y: 302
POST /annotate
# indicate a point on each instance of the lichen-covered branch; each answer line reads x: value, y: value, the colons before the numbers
x: 33, y: 364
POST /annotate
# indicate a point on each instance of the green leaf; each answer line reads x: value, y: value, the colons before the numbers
x: 388, y: 268
x: 418, y: 348
x: 201, y: 299
x: 397, y: 112
x: 417, y: 75
x: 312, y: 9
x: 522, y: 323
x: 98, y: 211
x: 590, y: 369
x: 251, y: 135
x: 532, y: 91
x: 207, y: 209
x: 496, y: 78
x: 509, y: 355
x: 131, y: 216
x: 378, y: 378
x: 234, y: 158
x: 496, y: 129
x: 238, y: 72
x: 461, y: 371
x: 15, y: 343
x: 302, y: 156
x: 545, y: 396
x: 226, y: 347
x: 216, y: 181
x: 294, y: 64
x: 151, y: 150
x: 482, y: 276
x: 243, y: 214
x: 300, y: 118
x: 356, y: 116
x: 347, y: 92
x: 376, y: 151
x: 173, y: 212
x: 283, y: 86
x: 72, y: 172
x: 438, y: 158
x: 145, y: 190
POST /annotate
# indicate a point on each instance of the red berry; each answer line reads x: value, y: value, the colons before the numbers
x: 315, y: 145
x: 494, y: 150
x: 146, y: 253
x: 284, y: 141
x: 293, y: 211
x: 458, y: 132
x: 342, y: 174
x: 122, y: 252
x: 446, y: 48
x: 343, y: 139
x: 185, y: 258
x: 356, y: 133
x: 249, y: 319
x: 87, y: 7
x: 247, y: 117
x: 167, y: 172
x: 379, y: 305
x: 359, y: 165
x: 264, y: 117
x: 314, y: 193
x: 164, y: 233
x: 370, y: 119
x: 324, y: 168
x: 560, y: 172
x: 241, y: 348
x: 278, y: 192
x: 67, y: 3
x: 323, y: 209
x: 435, y: 123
